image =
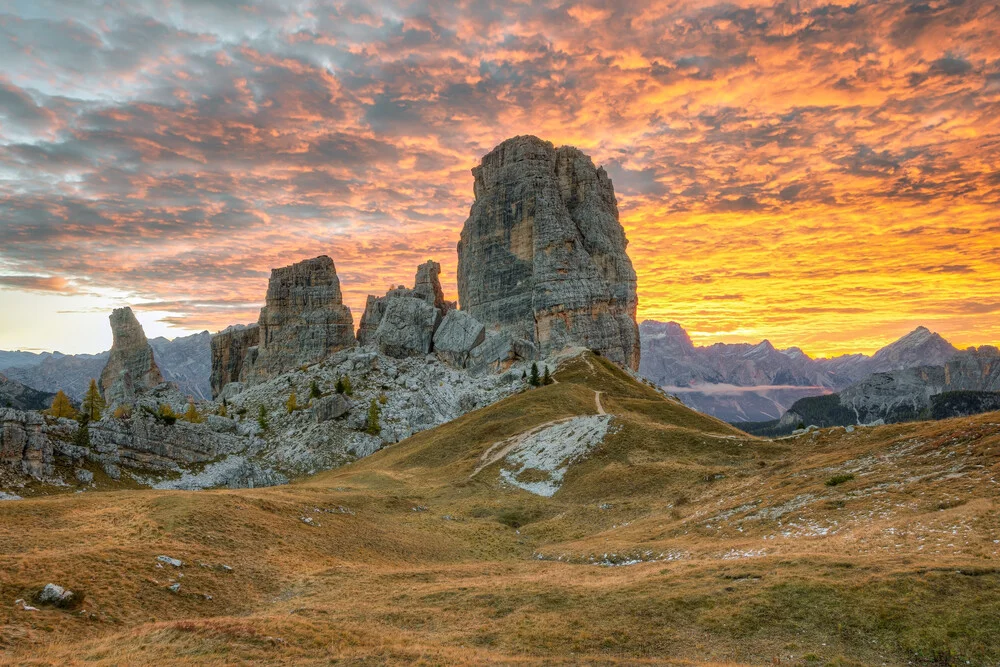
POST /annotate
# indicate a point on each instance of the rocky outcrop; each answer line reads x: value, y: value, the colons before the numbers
x: 457, y: 336
x: 426, y: 288
x: 229, y: 349
x: 303, y: 321
x: 407, y: 327
x: 331, y: 407
x: 24, y: 446
x: 542, y: 254
x: 974, y: 369
x: 145, y: 443
x: 131, y: 368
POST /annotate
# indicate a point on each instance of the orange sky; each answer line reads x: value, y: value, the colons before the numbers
x: 821, y: 174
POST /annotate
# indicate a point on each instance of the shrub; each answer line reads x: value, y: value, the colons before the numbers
x: 167, y: 414
x: 314, y: 391
x: 123, y: 412
x: 839, y: 479
x: 292, y: 404
x: 262, y: 418
x: 192, y: 415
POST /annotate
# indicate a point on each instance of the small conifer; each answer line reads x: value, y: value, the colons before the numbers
x: 61, y: 406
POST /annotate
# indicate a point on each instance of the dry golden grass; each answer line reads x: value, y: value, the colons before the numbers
x: 741, y: 552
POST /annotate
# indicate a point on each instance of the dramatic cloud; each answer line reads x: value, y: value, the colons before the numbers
x: 821, y: 174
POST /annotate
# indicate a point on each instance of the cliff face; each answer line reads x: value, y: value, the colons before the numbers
x: 542, y: 254
x: 304, y: 319
x: 229, y: 352
x: 131, y: 368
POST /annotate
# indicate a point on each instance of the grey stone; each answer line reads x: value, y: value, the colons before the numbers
x: 407, y: 327
x: 25, y: 447
x: 84, y: 476
x: 55, y: 595
x: 330, y: 407
x: 167, y: 560
x: 426, y: 287
x: 229, y: 352
x: 456, y: 337
x: 303, y: 321
x: 542, y: 254
x: 131, y: 368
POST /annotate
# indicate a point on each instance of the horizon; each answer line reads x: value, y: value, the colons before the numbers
x: 815, y: 175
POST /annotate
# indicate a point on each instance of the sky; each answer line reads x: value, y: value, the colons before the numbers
x: 821, y: 174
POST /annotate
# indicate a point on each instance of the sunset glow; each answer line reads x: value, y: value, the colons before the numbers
x: 820, y: 174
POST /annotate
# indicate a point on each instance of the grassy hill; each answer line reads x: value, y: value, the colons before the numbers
x: 674, y: 538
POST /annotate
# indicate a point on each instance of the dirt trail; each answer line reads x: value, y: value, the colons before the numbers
x: 597, y: 401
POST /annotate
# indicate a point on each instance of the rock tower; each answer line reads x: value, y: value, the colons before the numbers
x: 542, y: 255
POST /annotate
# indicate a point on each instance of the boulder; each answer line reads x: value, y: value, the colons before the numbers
x: 407, y: 327
x: 330, y: 407
x: 131, y: 368
x: 542, y: 254
x: 456, y: 337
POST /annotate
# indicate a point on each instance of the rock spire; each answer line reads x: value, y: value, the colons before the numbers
x: 542, y: 255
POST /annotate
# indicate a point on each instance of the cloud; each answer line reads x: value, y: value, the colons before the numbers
x: 826, y: 153
x: 38, y: 284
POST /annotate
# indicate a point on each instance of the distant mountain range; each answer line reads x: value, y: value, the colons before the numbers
x: 15, y: 395
x: 186, y: 360
x: 757, y: 382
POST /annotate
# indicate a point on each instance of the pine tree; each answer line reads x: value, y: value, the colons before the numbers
x: 224, y: 409
x: 339, y: 388
x: 292, y: 404
x: 534, y: 375
x: 314, y: 391
x: 546, y: 379
x: 262, y: 418
x: 93, y: 402
x: 348, y: 389
x: 192, y: 415
x: 374, y: 428
x: 61, y: 407
x: 82, y: 436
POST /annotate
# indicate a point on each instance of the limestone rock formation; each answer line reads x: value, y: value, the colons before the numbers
x: 304, y: 319
x: 24, y: 446
x: 407, y: 327
x: 542, y: 254
x: 131, y: 368
x: 974, y: 369
x: 457, y: 336
x: 426, y: 287
x: 229, y: 352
